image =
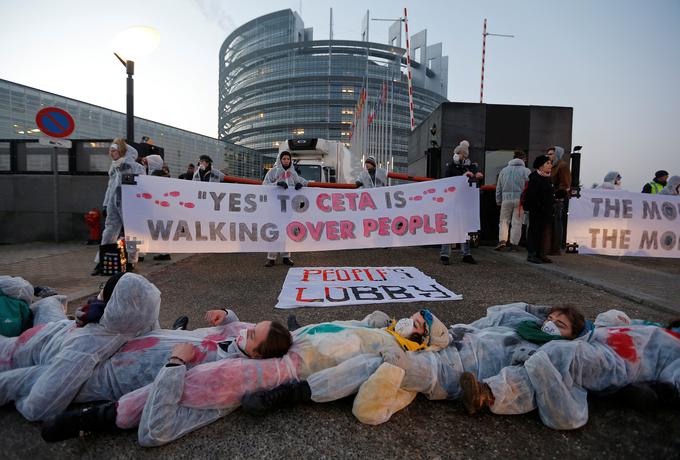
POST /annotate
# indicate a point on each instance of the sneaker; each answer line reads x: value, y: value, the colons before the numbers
x: 180, y: 323
x: 501, y: 246
x: 534, y: 260
x: 80, y: 422
x: 511, y: 247
x: 269, y: 263
x: 288, y: 261
x: 293, y: 324
x: 445, y: 260
x: 476, y: 394
x: 285, y: 395
x: 97, y: 270
x: 468, y: 259
x: 545, y: 260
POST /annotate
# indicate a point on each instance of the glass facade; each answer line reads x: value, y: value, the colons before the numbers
x: 276, y: 83
x: 19, y: 105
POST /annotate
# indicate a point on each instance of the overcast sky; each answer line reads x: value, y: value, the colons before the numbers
x: 616, y: 62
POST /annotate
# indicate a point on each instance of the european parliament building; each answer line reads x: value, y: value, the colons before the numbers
x: 276, y: 83
x: 95, y: 127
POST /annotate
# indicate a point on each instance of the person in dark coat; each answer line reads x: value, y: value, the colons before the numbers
x: 538, y: 201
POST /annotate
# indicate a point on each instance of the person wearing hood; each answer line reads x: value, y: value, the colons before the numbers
x: 205, y: 172
x: 672, y: 187
x: 538, y: 201
x: 45, y: 390
x: 154, y: 165
x: 657, y: 184
x: 123, y: 161
x: 460, y: 165
x: 283, y: 175
x: 421, y: 331
x: 561, y: 182
x: 509, y: 187
x: 557, y: 378
x: 612, y: 181
x: 372, y: 176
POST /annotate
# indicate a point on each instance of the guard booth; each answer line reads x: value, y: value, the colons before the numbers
x: 495, y: 132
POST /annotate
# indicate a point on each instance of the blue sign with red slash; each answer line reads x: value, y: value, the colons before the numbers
x: 55, y: 122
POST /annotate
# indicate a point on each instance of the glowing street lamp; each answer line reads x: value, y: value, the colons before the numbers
x: 133, y: 43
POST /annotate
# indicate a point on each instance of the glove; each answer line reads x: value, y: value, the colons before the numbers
x: 395, y: 356
x: 377, y: 319
x: 298, y: 186
x: 282, y: 184
x: 104, y: 212
x: 91, y: 312
x: 359, y: 183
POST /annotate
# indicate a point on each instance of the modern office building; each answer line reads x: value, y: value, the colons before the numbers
x: 19, y: 105
x: 276, y: 83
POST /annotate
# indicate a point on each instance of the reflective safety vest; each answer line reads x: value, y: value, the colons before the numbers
x: 655, y: 187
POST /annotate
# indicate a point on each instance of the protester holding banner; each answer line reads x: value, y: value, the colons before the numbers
x: 657, y: 184
x: 673, y: 186
x: 538, y: 201
x: 372, y: 176
x: 460, y: 165
x: 561, y: 182
x: 205, y: 172
x: 283, y: 175
x: 123, y: 161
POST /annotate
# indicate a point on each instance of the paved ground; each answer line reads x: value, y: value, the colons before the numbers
x: 425, y: 429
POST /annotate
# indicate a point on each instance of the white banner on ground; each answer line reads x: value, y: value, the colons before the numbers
x: 334, y: 286
x: 618, y: 223
x: 172, y: 215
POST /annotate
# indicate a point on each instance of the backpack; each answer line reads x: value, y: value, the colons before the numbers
x: 15, y: 316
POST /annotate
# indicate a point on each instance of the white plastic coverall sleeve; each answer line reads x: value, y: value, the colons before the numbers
x: 557, y: 378
x: 511, y: 315
x: 16, y: 288
x: 132, y: 310
x: 380, y: 178
x: 278, y: 174
x: 49, y: 309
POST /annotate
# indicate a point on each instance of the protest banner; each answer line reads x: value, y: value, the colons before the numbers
x: 171, y: 215
x: 619, y: 223
x: 335, y: 286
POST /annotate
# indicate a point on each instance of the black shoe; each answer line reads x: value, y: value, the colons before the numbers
x: 293, y: 323
x: 180, y: 323
x: 288, y: 261
x: 140, y: 259
x: 285, y: 395
x: 534, y: 260
x: 501, y: 246
x: 162, y: 257
x: 97, y: 270
x: 545, y: 260
x: 468, y: 259
x: 130, y: 267
x: 445, y: 260
x: 511, y: 247
x: 74, y: 423
x: 269, y: 263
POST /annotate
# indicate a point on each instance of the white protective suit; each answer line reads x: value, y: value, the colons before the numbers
x: 557, y: 378
x: 672, y: 186
x: 609, y: 182
x: 69, y: 355
x: 215, y: 175
x: 113, y: 200
x: 180, y: 401
x: 379, y: 179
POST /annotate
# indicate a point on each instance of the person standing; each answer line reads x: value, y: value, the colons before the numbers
x: 561, y: 181
x: 656, y: 184
x: 612, y: 181
x: 372, y: 176
x: 205, y: 172
x: 283, y: 174
x: 509, y: 187
x: 460, y: 166
x: 123, y: 161
x: 538, y: 201
x: 673, y: 186
x: 189, y: 175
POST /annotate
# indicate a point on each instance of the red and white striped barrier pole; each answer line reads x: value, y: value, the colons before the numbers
x: 408, y: 66
x: 481, y: 90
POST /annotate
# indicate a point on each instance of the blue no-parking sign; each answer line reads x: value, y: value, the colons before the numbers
x: 55, y: 122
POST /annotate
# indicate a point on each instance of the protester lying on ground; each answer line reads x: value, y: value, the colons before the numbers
x: 508, y: 334
x: 557, y: 378
x: 65, y: 359
x: 18, y: 312
x: 180, y: 400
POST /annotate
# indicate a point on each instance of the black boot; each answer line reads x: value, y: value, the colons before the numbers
x: 181, y: 323
x: 293, y: 324
x: 286, y: 395
x: 73, y: 423
x: 98, y: 270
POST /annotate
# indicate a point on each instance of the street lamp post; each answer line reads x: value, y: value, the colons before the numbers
x: 130, y: 98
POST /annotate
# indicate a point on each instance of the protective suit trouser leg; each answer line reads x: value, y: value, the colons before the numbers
x: 344, y: 379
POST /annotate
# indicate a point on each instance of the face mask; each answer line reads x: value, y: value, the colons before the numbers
x: 550, y: 328
x: 202, y: 167
x: 404, y: 327
x: 242, y: 340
